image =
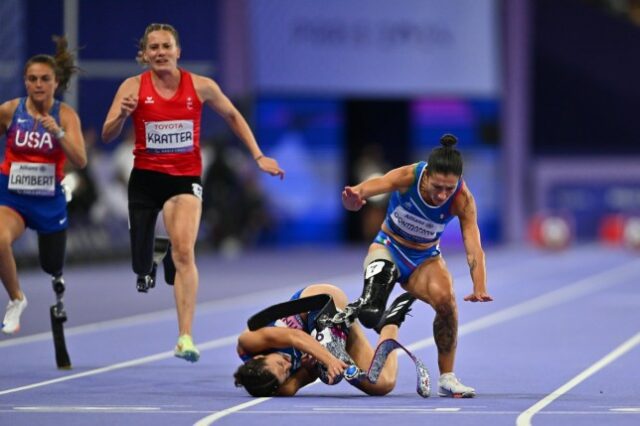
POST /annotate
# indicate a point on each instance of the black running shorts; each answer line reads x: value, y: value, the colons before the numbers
x: 149, y: 189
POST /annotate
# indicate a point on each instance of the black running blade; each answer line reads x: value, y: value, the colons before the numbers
x: 160, y: 247
x: 62, y: 356
x: 169, y: 268
x: 266, y: 316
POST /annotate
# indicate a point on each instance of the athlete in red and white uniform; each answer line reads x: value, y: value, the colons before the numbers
x: 165, y: 103
x: 168, y: 130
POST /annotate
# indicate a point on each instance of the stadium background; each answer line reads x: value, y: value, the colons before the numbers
x: 543, y: 105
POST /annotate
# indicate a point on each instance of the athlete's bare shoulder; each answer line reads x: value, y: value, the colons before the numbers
x: 7, y: 109
x: 207, y: 89
x: 464, y: 203
x: 131, y: 83
x: 10, y: 104
x: 67, y: 111
x: 202, y: 82
x: 200, y: 79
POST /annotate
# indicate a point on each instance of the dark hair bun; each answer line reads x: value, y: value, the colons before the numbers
x: 448, y: 140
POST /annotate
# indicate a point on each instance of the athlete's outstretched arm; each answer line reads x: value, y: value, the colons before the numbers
x: 211, y: 94
x: 464, y: 207
x: 354, y: 197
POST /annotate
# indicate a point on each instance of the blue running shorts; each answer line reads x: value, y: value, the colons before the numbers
x: 41, y: 213
x: 405, y: 258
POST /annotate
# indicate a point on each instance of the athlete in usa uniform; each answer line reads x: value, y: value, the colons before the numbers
x: 165, y: 103
x: 425, y: 197
x: 42, y: 133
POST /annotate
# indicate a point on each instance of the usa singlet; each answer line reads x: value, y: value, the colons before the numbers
x: 31, y: 172
x: 168, y: 130
x: 409, y: 215
x: 34, y: 159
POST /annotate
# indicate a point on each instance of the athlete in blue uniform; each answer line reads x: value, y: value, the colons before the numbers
x: 424, y: 198
x: 279, y: 359
x: 41, y: 134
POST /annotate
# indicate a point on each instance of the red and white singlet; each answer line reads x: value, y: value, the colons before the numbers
x: 168, y: 130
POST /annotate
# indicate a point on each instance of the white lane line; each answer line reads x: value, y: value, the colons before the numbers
x: 224, y: 341
x: 223, y: 413
x: 547, y: 300
x: 584, y: 286
x: 159, y: 410
x: 219, y: 305
x: 85, y: 409
x: 386, y: 410
x: 524, y: 419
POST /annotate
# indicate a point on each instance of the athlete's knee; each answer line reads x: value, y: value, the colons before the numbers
x: 380, y: 276
x: 5, y: 244
x: 182, y: 254
x: 443, y: 300
x: 382, y: 387
x: 340, y: 299
x: 337, y: 294
x: 386, y: 384
x: 6, y: 239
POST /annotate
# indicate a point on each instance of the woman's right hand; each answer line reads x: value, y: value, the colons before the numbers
x: 335, y: 368
x: 128, y: 105
x: 352, y: 200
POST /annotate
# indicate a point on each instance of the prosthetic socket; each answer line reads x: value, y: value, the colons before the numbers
x: 379, y: 278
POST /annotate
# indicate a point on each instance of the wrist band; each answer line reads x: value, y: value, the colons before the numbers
x: 259, y: 157
x: 60, y: 134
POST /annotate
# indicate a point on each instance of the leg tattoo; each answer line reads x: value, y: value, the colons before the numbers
x: 445, y: 330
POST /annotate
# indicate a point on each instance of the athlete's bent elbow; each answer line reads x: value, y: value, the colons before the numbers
x: 80, y: 163
x: 107, y: 136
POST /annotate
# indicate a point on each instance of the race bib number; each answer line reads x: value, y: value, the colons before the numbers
x: 417, y: 227
x: 163, y: 137
x: 33, y: 178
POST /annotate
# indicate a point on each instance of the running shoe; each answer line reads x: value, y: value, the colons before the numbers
x: 450, y: 386
x: 186, y: 350
x: 11, y: 322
